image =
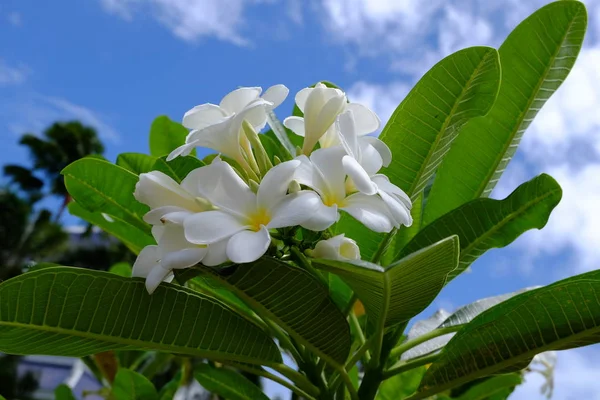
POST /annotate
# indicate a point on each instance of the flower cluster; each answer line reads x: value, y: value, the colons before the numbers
x: 231, y: 209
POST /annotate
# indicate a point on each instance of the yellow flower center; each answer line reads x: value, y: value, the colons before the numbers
x: 259, y: 218
x: 329, y: 199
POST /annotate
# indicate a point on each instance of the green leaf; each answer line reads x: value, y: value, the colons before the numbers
x: 137, y: 163
x: 397, y: 293
x: 483, y: 224
x: 214, y: 287
x: 496, y: 385
x: 274, y: 148
x: 134, y: 238
x: 402, y: 385
x: 62, y: 392
x: 75, y: 312
x: 121, y: 269
x: 179, y: 167
x: 506, y: 337
x: 98, y: 185
x: 296, y: 301
x: 228, y: 384
x: 165, y: 136
x: 168, y: 391
x: 536, y: 58
x: 419, y: 133
x: 130, y: 385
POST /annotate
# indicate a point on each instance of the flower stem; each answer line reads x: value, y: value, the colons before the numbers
x: 404, y: 366
x: 398, y: 350
x: 275, y: 378
x: 383, y: 246
x: 361, y: 336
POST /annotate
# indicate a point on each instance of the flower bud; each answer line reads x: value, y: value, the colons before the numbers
x: 253, y: 185
x: 337, y: 248
x: 276, y: 160
x: 294, y: 186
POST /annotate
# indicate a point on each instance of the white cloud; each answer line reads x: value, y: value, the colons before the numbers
x: 189, y: 19
x: 13, y: 75
x: 383, y: 99
x: 37, y: 112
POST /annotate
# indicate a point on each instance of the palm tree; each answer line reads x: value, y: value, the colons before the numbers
x: 61, y: 144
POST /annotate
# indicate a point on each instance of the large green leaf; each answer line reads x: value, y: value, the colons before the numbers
x: 166, y: 136
x: 179, y: 167
x: 76, y: 312
x: 536, y: 58
x: 98, y: 185
x: 130, y: 385
x: 506, y: 337
x: 483, y: 224
x: 135, y: 239
x: 419, y: 133
x: 401, y: 386
x: 493, y: 388
x: 397, y: 293
x: 227, y: 383
x: 136, y: 162
x: 296, y: 301
x: 62, y: 392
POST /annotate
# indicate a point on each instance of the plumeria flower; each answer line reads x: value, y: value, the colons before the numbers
x: 157, y: 262
x: 321, y: 106
x: 243, y: 218
x: 362, y: 162
x: 324, y: 172
x: 336, y: 248
x: 218, y: 127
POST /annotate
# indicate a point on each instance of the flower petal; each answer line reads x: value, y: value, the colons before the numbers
x: 295, y: 124
x: 384, y: 184
x: 235, y: 101
x: 274, y: 185
x: 157, y: 275
x: 329, y: 112
x: 302, y: 96
x: 184, y: 258
x: 276, y: 94
x: 255, y: 113
x: 370, y: 158
x: 382, y: 148
x: 148, y: 258
x: 322, y: 218
x: 398, y: 210
x: 328, y: 162
x: 248, y: 246
x: 173, y: 239
x: 294, y: 209
x: 183, y: 150
x: 371, y: 211
x: 366, y: 120
x: 161, y: 215
x: 157, y: 189
x: 203, y: 115
x: 217, y: 253
x: 211, y: 226
x: 347, y: 134
x: 359, y: 176
x: 337, y: 248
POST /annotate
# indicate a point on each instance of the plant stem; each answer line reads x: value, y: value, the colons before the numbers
x: 361, y: 336
x: 398, y: 350
x: 359, y: 353
x: 284, y: 340
x: 348, y: 383
x: 383, y: 246
x: 303, y: 262
x: 275, y: 378
x: 403, y: 366
x: 300, y: 380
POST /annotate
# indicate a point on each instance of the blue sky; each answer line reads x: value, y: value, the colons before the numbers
x: 117, y: 64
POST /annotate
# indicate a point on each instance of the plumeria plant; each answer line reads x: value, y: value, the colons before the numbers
x: 300, y: 250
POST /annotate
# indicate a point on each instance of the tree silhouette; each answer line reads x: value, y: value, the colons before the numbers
x: 61, y: 144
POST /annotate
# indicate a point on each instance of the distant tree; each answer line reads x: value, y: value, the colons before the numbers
x: 13, y: 386
x: 60, y: 144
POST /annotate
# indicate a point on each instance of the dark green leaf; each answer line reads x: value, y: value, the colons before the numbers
x: 397, y: 293
x: 536, y: 58
x: 98, y: 185
x: 130, y: 385
x: 274, y: 148
x: 228, y: 384
x: 76, y: 312
x: 135, y: 239
x: 401, y: 386
x: 166, y: 136
x: 137, y: 163
x: 62, y: 392
x: 483, y: 224
x: 296, y: 301
x: 506, y: 337
x: 179, y: 167
x: 419, y: 133
x: 121, y: 269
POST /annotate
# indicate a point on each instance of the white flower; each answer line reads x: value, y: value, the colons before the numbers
x: 324, y: 172
x: 157, y: 262
x: 244, y: 218
x: 363, y: 161
x: 321, y: 106
x: 337, y: 248
x: 218, y: 127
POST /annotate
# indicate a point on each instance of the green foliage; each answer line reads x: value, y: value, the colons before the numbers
x: 226, y: 383
x: 63, y: 392
x: 401, y: 386
x: 536, y: 58
x: 506, y: 337
x: 137, y: 163
x: 165, y: 136
x: 483, y: 224
x: 421, y: 130
x: 101, y: 311
x: 130, y: 385
x: 177, y: 168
